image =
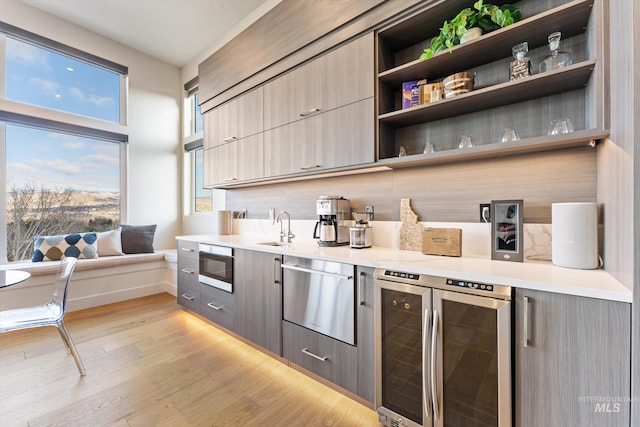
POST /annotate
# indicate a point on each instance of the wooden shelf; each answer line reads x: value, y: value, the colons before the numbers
x: 570, y: 19
x: 582, y: 138
x: 565, y: 79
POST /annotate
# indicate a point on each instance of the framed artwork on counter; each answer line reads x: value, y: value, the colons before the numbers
x: 506, y: 230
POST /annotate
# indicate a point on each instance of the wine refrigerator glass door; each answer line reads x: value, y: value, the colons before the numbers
x: 403, y: 315
x: 471, y: 360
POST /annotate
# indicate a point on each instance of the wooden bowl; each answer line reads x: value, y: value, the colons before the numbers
x: 458, y: 83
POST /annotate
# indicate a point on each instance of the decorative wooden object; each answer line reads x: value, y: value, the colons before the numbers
x: 410, y: 230
x: 442, y: 241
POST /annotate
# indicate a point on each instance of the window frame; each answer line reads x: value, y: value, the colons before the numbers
x: 8, y: 30
x: 15, y: 112
x: 190, y: 150
x: 192, y: 140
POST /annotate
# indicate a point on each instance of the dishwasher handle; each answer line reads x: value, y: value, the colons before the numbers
x: 312, y: 271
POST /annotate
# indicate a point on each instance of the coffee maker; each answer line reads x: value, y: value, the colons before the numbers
x: 331, y: 230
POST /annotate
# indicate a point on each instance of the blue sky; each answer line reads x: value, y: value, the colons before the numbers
x: 55, y: 160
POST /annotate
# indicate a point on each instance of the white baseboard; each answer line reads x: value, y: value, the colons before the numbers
x: 88, y: 301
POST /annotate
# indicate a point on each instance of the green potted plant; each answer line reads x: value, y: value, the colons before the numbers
x: 487, y: 16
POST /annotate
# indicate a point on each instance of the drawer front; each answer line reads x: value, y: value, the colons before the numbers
x: 189, y: 295
x: 217, y: 306
x: 187, y: 271
x: 322, y: 355
x: 187, y: 250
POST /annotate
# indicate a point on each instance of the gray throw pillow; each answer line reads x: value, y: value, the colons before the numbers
x: 137, y: 239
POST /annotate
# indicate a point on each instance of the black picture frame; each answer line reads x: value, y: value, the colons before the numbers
x: 507, y: 243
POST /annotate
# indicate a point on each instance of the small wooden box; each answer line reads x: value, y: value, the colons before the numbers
x: 442, y: 241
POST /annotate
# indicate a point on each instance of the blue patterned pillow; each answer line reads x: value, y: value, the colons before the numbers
x: 53, y: 248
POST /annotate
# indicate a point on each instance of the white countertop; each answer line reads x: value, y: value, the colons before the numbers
x: 542, y: 276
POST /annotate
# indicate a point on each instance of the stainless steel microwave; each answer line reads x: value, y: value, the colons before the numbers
x: 216, y: 266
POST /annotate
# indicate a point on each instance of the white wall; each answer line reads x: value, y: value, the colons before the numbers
x: 155, y: 98
x: 207, y: 223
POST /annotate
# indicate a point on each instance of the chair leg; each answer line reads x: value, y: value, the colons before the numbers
x: 66, y: 337
x: 64, y: 340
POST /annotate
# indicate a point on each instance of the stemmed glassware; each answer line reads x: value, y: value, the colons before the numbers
x: 465, y: 142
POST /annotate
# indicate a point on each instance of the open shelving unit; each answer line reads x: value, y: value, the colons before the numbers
x: 490, y: 53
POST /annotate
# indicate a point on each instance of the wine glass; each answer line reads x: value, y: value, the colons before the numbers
x: 428, y: 148
x: 509, y: 135
x: 465, y: 142
x: 560, y: 126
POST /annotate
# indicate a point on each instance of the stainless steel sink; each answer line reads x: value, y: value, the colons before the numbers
x: 273, y: 243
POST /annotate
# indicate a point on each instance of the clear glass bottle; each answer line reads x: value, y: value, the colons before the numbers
x: 556, y: 59
x: 521, y: 67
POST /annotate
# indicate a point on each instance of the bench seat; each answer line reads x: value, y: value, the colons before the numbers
x: 97, y: 281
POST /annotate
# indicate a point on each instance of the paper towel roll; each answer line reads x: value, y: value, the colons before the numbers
x: 225, y: 222
x: 574, y: 235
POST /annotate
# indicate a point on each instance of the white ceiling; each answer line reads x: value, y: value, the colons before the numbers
x: 174, y: 31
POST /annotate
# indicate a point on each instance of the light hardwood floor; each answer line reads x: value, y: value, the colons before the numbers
x: 150, y: 363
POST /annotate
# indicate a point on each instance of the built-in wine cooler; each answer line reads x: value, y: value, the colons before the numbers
x: 443, y: 351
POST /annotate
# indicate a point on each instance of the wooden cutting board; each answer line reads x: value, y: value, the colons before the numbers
x: 442, y: 241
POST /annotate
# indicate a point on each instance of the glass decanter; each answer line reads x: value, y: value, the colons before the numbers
x: 556, y: 59
x: 521, y: 67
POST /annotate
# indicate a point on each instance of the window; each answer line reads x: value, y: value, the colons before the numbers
x: 38, y: 76
x: 58, y: 183
x: 62, y: 167
x: 199, y: 199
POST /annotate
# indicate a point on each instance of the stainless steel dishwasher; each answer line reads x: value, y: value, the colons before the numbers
x: 320, y: 295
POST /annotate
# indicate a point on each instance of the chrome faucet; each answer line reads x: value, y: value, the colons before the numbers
x: 289, y: 234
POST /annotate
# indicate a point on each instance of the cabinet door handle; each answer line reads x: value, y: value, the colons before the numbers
x: 309, y: 112
x: 187, y: 249
x: 187, y: 297
x: 526, y: 322
x: 434, y: 373
x: 307, y: 167
x: 215, y: 307
x: 229, y: 179
x: 184, y: 270
x: 276, y: 280
x: 363, y: 275
x: 230, y: 138
x: 315, y: 356
x: 426, y: 391
x: 312, y: 271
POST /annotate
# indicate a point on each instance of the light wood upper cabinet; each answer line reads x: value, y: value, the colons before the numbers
x: 235, y: 161
x: 340, y: 77
x: 572, y: 361
x: 234, y: 120
x: 340, y: 137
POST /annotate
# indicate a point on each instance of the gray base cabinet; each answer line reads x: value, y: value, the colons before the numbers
x: 209, y: 302
x: 254, y: 311
x: 188, y: 284
x: 258, y: 289
x: 218, y: 306
x: 324, y: 356
x: 572, y: 361
x: 365, y: 337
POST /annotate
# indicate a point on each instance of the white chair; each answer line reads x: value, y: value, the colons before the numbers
x: 49, y: 314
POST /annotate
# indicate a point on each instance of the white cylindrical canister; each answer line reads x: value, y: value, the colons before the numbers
x: 225, y: 222
x: 574, y: 235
